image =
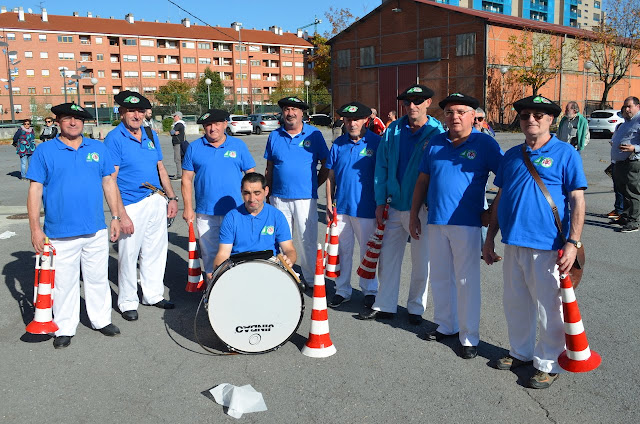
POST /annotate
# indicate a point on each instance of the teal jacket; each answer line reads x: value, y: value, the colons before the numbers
x: 385, y: 182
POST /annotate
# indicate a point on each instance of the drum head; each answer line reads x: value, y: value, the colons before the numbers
x: 255, y: 306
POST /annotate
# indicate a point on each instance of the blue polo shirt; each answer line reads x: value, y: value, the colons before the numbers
x: 354, y: 165
x: 218, y: 173
x: 72, y: 181
x: 524, y: 215
x: 408, y: 141
x: 138, y: 162
x: 458, y: 177
x: 248, y: 233
x: 295, y: 161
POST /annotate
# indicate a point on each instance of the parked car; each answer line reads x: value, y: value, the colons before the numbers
x: 264, y: 122
x: 604, y: 122
x: 320, y: 119
x: 239, y: 124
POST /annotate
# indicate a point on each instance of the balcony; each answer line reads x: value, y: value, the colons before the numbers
x: 540, y: 6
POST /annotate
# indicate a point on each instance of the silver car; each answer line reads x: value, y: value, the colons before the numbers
x: 264, y: 122
x: 239, y: 124
x: 604, y: 122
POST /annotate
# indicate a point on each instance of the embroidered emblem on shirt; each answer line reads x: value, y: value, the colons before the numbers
x: 305, y: 143
x: 93, y: 157
x: 350, y: 109
x: 414, y: 90
x: 132, y: 99
x: 469, y: 154
x: 151, y: 145
x: 366, y: 152
x: 230, y: 154
x: 544, y: 162
x: 267, y: 230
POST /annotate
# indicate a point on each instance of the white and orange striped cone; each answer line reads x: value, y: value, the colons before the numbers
x: 332, y: 268
x: 577, y: 357
x: 367, y: 268
x: 319, y: 343
x: 195, y: 282
x: 45, y: 274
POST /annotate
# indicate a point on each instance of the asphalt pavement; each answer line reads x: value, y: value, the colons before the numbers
x: 155, y: 371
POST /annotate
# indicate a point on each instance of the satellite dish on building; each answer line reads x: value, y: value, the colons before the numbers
x: 29, y: 10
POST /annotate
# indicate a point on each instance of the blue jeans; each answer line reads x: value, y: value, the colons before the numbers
x: 24, y: 165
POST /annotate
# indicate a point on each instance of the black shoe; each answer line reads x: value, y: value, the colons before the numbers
x: 437, y: 336
x: 175, y: 178
x: 337, y: 300
x: 110, y: 330
x: 60, y: 342
x: 373, y: 314
x: 415, y: 319
x: 630, y: 227
x: 469, y: 352
x: 130, y: 315
x: 369, y: 300
x: 164, y: 304
x: 621, y: 220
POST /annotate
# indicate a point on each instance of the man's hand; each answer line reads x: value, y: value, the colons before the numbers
x: 37, y: 240
x: 379, y: 213
x: 188, y: 215
x: 569, y: 252
x: 627, y: 148
x: 415, y: 227
x: 114, y: 230
x: 172, y: 209
x: 489, y: 253
x: 287, y: 260
x: 329, y: 215
x: 126, y: 224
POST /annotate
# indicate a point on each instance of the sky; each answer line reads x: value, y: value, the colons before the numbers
x: 259, y: 14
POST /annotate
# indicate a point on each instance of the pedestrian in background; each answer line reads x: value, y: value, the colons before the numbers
x: 24, y: 142
x: 49, y: 131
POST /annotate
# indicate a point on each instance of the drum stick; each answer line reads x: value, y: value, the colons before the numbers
x: 287, y: 267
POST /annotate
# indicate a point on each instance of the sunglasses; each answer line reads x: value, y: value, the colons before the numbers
x: 48, y: 122
x: 479, y: 118
x: 416, y: 102
x: 537, y: 115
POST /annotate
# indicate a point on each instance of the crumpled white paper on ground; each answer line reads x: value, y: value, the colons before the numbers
x: 238, y: 400
x: 7, y: 234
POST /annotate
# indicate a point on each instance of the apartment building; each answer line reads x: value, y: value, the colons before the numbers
x: 45, y: 51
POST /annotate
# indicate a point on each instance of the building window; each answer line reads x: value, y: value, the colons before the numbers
x: 286, y: 50
x: 26, y: 37
x: 241, y: 76
x: 299, y: 77
x: 222, y: 47
x: 115, y: 74
x: 129, y: 42
x: 367, y: 56
x: 30, y: 73
x: 242, y: 90
x: 287, y: 77
x: 98, y: 40
x: 189, y: 75
x: 129, y: 58
x: 254, y: 48
x: 45, y: 72
x: 148, y: 74
x: 31, y: 90
x: 241, y: 61
x: 46, y: 90
x: 44, y: 55
x: 596, y: 4
x: 115, y: 58
x: 65, y: 38
x: 188, y: 60
x: 344, y: 57
x: 147, y: 43
x: 256, y: 76
x: 66, y: 56
x: 433, y: 48
x: 131, y: 74
x: 102, y: 90
x: 466, y: 44
x: 299, y: 64
x: 596, y: 17
x: 286, y: 64
x: 188, y: 45
x: 255, y: 62
x: 85, y: 57
x: 85, y: 39
x: 11, y: 36
x: 17, y: 108
x: 115, y: 90
x: 147, y: 58
x: 149, y: 89
x: 42, y: 37
x: 99, y: 56
x: 204, y: 61
x: 240, y: 48
x: 16, y: 90
x: 204, y: 46
x: 100, y: 74
x: 28, y: 55
x: 298, y: 51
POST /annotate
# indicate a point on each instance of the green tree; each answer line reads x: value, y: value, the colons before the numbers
x: 216, y: 89
x: 320, y: 59
x: 175, y: 93
x: 286, y: 88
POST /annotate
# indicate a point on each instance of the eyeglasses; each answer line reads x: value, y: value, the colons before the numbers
x: 417, y: 101
x: 48, y: 122
x: 461, y: 113
x: 479, y: 118
x: 537, y: 115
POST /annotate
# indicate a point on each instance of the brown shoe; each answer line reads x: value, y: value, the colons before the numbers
x: 613, y: 214
x: 509, y: 363
x: 542, y: 380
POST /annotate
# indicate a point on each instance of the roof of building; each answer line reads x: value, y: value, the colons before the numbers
x: 93, y: 25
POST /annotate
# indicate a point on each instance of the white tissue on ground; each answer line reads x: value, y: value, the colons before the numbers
x: 238, y: 400
x: 7, y: 234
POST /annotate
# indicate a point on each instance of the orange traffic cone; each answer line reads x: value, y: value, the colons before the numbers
x: 332, y: 258
x: 43, y: 320
x: 577, y: 357
x: 195, y: 282
x: 319, y: 344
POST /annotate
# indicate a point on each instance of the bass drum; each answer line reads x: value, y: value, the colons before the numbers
x: 254, y: 306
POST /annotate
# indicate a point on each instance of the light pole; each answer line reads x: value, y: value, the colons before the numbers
x: 503, y: 70
x: 250, y: 87
x: 94, y: 81
x: 307, y: 83
x: 63, y: 73
x: 78, y: 78
x: 208, y: 82
x: 9, y: 79
x: 239, y: 25
x: 588, y: 65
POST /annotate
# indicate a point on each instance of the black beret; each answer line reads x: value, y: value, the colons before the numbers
x: 292, y: 101
x: 354, y: 110
x: 538, y: 102
x: 71, y: 109
x: 213, y: 115
x: 132, y: 100
x: 416, y: 90
x: 460, y: 99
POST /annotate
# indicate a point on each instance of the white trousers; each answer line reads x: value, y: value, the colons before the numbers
x: 532, y: 296
x: 390, y: 264
x: 302, y: 217
x: 91, y: 254
x: 455, y: 280
x: 362, y: 229
x: 149, y: 241
x: 209, y: 238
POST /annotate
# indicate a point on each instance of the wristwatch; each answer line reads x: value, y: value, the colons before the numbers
x: 115, y: 217
x: 577, y: 243
x: 173, y: 198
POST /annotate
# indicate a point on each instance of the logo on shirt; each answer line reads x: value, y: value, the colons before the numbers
x: 469, y: 154
x: 151, y: 145
x: 93, y: 157
x: 366, y: 152
x: 267, y: 230
x: 305, y: 143
x: 230, y: 154
x: 544, y: 162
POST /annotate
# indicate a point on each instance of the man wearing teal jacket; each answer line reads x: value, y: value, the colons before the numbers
x: 573, y: 127
x: 397, y: 161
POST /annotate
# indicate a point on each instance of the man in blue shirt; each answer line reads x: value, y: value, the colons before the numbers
x: 397, y: 160
x: 351, y: 164
x: 138, y: 160
x: 292, y: 153
x: 254, y: 225
x: 453, y: 176
x: 214, y: 164
x: 531, y: 266
x: 71, y: 174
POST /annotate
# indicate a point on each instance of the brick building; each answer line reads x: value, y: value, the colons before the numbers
x: 449, y: 49
x: 142, y: 56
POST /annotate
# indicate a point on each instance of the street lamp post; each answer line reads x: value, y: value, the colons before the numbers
x: 78, y: 77
x: 63, y: 74
x: 250, y: 87
x: 94, y: 81
x: 588, y: 65
x: 208, y: 82
x: 307, y: 83
x: 9, y: 79
x: 503, y: 70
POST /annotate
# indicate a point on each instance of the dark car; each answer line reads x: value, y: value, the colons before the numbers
x: 320, y: 119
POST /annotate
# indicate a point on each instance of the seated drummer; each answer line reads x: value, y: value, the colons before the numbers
x: 254, y: 225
